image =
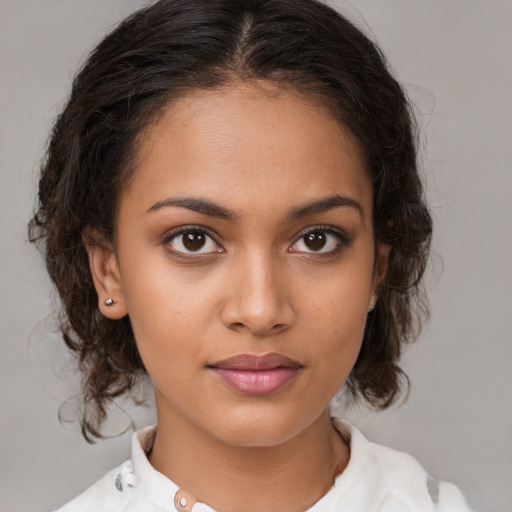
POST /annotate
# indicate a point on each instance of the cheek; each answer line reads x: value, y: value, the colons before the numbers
x: 160, y: 294
x: 338, y: 301
x: 168, y: 312
x: 342, y: 337
x: 336, y: 319
x: 335, y: 358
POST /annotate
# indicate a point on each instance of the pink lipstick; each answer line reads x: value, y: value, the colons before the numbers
x: 256, y: 375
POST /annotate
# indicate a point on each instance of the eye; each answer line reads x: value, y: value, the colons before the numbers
x: 319, y: 240
x: 192, y: 241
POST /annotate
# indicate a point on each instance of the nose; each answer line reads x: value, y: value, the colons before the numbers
x: 258, y: 300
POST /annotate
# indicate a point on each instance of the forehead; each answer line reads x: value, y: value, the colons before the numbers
x: 248, y: 142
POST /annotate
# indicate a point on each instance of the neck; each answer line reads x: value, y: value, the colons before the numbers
x: 289, y: 477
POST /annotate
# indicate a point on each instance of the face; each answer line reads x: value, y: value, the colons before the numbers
x: 245, y: 260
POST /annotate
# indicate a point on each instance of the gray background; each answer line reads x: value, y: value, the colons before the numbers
x: 456, y: 57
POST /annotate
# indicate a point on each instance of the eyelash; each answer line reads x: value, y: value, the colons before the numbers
x: 188, y: 229
x: 342, y: 241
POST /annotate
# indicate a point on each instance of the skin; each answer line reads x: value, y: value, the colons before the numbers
x: 262, y: 153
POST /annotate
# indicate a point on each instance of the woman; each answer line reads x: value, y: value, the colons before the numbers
x: 231, y: 206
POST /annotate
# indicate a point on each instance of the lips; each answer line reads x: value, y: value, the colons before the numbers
x: 256, y: 375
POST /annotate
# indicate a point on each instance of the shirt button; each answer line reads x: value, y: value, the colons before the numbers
x: 184, y: 501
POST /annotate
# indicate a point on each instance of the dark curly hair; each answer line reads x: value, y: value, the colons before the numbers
x: 158, y: 55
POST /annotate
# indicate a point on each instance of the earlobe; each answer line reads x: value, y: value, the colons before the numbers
x: 380, y: 270
x: 105, y: 274
x: 373, y: 301
x: 382, y: 260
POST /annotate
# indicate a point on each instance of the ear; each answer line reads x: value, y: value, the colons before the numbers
x: 105, y: 274
x: 379, y: 271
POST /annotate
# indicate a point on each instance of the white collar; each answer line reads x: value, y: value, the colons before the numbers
x: 163, y: 490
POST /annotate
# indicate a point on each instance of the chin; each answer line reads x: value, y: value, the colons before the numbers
x: 259, y: 430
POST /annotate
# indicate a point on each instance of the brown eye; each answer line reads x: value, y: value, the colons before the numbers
x: 192, y: 241
x: 315, y: 240
x: 321, y: 241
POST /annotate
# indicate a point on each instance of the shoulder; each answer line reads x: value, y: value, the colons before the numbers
x: 134, y: 486
x: 106, y: 494
x: 396, y: 480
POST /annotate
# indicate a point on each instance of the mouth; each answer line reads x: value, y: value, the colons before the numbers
x: 256, y: 375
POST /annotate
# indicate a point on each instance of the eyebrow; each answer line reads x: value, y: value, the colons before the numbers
x: 322, y: 205
x: 197, y: 205
x: 212, y: 209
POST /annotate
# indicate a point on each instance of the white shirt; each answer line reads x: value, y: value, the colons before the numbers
x: 376, y: 479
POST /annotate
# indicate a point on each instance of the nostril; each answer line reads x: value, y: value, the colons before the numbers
x: 240, y: 326
x: 237, y: 326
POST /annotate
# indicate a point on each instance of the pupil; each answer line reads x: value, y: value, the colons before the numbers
x: 194, y: 240
x: 315, y: 241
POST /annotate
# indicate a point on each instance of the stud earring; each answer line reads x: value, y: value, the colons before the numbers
x: 373, y: 300
x: 110, y: 302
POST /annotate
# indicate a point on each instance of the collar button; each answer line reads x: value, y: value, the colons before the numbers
x: 184, y: 501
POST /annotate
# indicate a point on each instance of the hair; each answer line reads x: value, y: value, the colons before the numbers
x: 153, y: 58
